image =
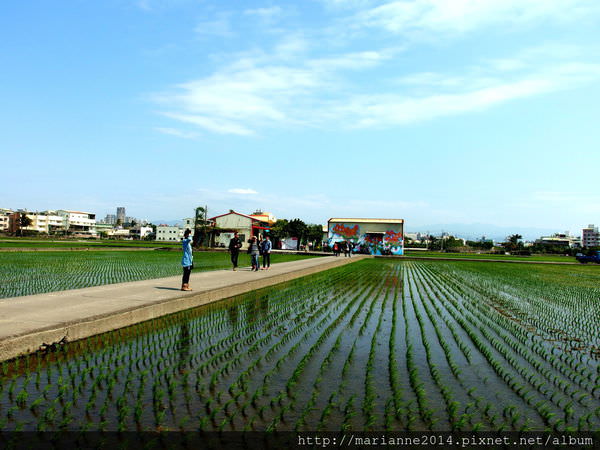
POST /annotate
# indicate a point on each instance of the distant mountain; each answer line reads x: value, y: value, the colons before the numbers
x: 477, y: 230
x: 166, y: 222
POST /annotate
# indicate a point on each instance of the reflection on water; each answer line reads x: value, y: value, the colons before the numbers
x: 257, y: 308
x: 233, y: 314
x: 183, y: 346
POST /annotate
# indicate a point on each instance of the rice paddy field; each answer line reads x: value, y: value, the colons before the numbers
x: 535, y: 257
x: 374, y: 345
x: 43, y: 244
x: 27, y: 273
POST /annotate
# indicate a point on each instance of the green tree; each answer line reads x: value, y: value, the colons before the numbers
x: 314, y: 233
x: 513, y: 243
x: 279, y: 231
x: 434, y: 243
x: 24, y: 222
x: 481, y: 244
x: 200, y: 225
x: 452, y: 243
x: 297, y: 228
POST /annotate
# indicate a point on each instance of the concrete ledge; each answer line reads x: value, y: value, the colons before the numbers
x: 121, y: 305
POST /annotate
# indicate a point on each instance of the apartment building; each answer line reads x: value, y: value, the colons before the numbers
x: 41, y: 222
x: 140, y: 232
x: 169, y: 233
x: 560, y: 240
x: 590, y: 236
x: 110, y: 219
x: 78, y: 222
x: 4, y: 219
x: 45, y: 222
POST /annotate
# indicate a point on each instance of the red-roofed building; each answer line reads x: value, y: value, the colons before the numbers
x: 246, y: 226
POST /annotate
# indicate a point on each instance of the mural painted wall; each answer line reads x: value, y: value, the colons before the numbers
x: 371, y: 238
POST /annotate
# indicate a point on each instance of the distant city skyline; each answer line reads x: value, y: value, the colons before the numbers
x: 471, y: 231
x: 434, y: 112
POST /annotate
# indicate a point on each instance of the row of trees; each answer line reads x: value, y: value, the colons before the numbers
x: 449, y: 243
x: 513, y: 244
x: 297, y: 228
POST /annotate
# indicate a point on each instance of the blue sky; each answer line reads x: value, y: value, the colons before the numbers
x: 434, y: 111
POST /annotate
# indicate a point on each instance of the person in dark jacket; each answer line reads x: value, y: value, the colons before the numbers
x: 265, y: 249
x: 254, y: 251
x: 234, y: 248
x: 187, y: 260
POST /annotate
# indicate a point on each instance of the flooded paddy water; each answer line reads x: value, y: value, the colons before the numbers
x: 375, y: 345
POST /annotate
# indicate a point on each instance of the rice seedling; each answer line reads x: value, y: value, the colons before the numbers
x: 370, y: 346
x: 27, y: 273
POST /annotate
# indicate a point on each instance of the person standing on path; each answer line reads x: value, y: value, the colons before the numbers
x: 266, y: 247
x: 234, y: 248
x: 254, y: 251
x: 187, y: 260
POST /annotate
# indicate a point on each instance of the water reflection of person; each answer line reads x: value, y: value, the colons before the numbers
x: 257, y: 307
x: 264, y: 305
x: 233, y: 313
x: 183, y: 346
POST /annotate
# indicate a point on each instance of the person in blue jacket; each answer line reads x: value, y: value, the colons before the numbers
x: 187, y: 260
x: 265, y: 249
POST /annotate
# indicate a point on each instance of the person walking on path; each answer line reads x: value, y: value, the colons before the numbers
x: 254, y: 251
x: 187, y: 260
x: 266, y: 247
x: 336, y: 249
x: 234, y: 248
x: 349, y: 248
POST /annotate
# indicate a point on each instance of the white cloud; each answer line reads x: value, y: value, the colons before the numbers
x: 245, y: 98
x: 239, y: 99
x: 291, y: 47
x: 219, y: 27
x: 369, y: 111
x: 462, y: 16
x: 299, y: 81
x: 242, y: 191
x: 178, y: 133
x: 351, y: 61
x: 441, y: 95
x: 216, y: 125
x: 347, y: 4
x: 267, y: 14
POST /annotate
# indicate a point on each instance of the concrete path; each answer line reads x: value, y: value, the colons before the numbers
x: 27, y: 322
